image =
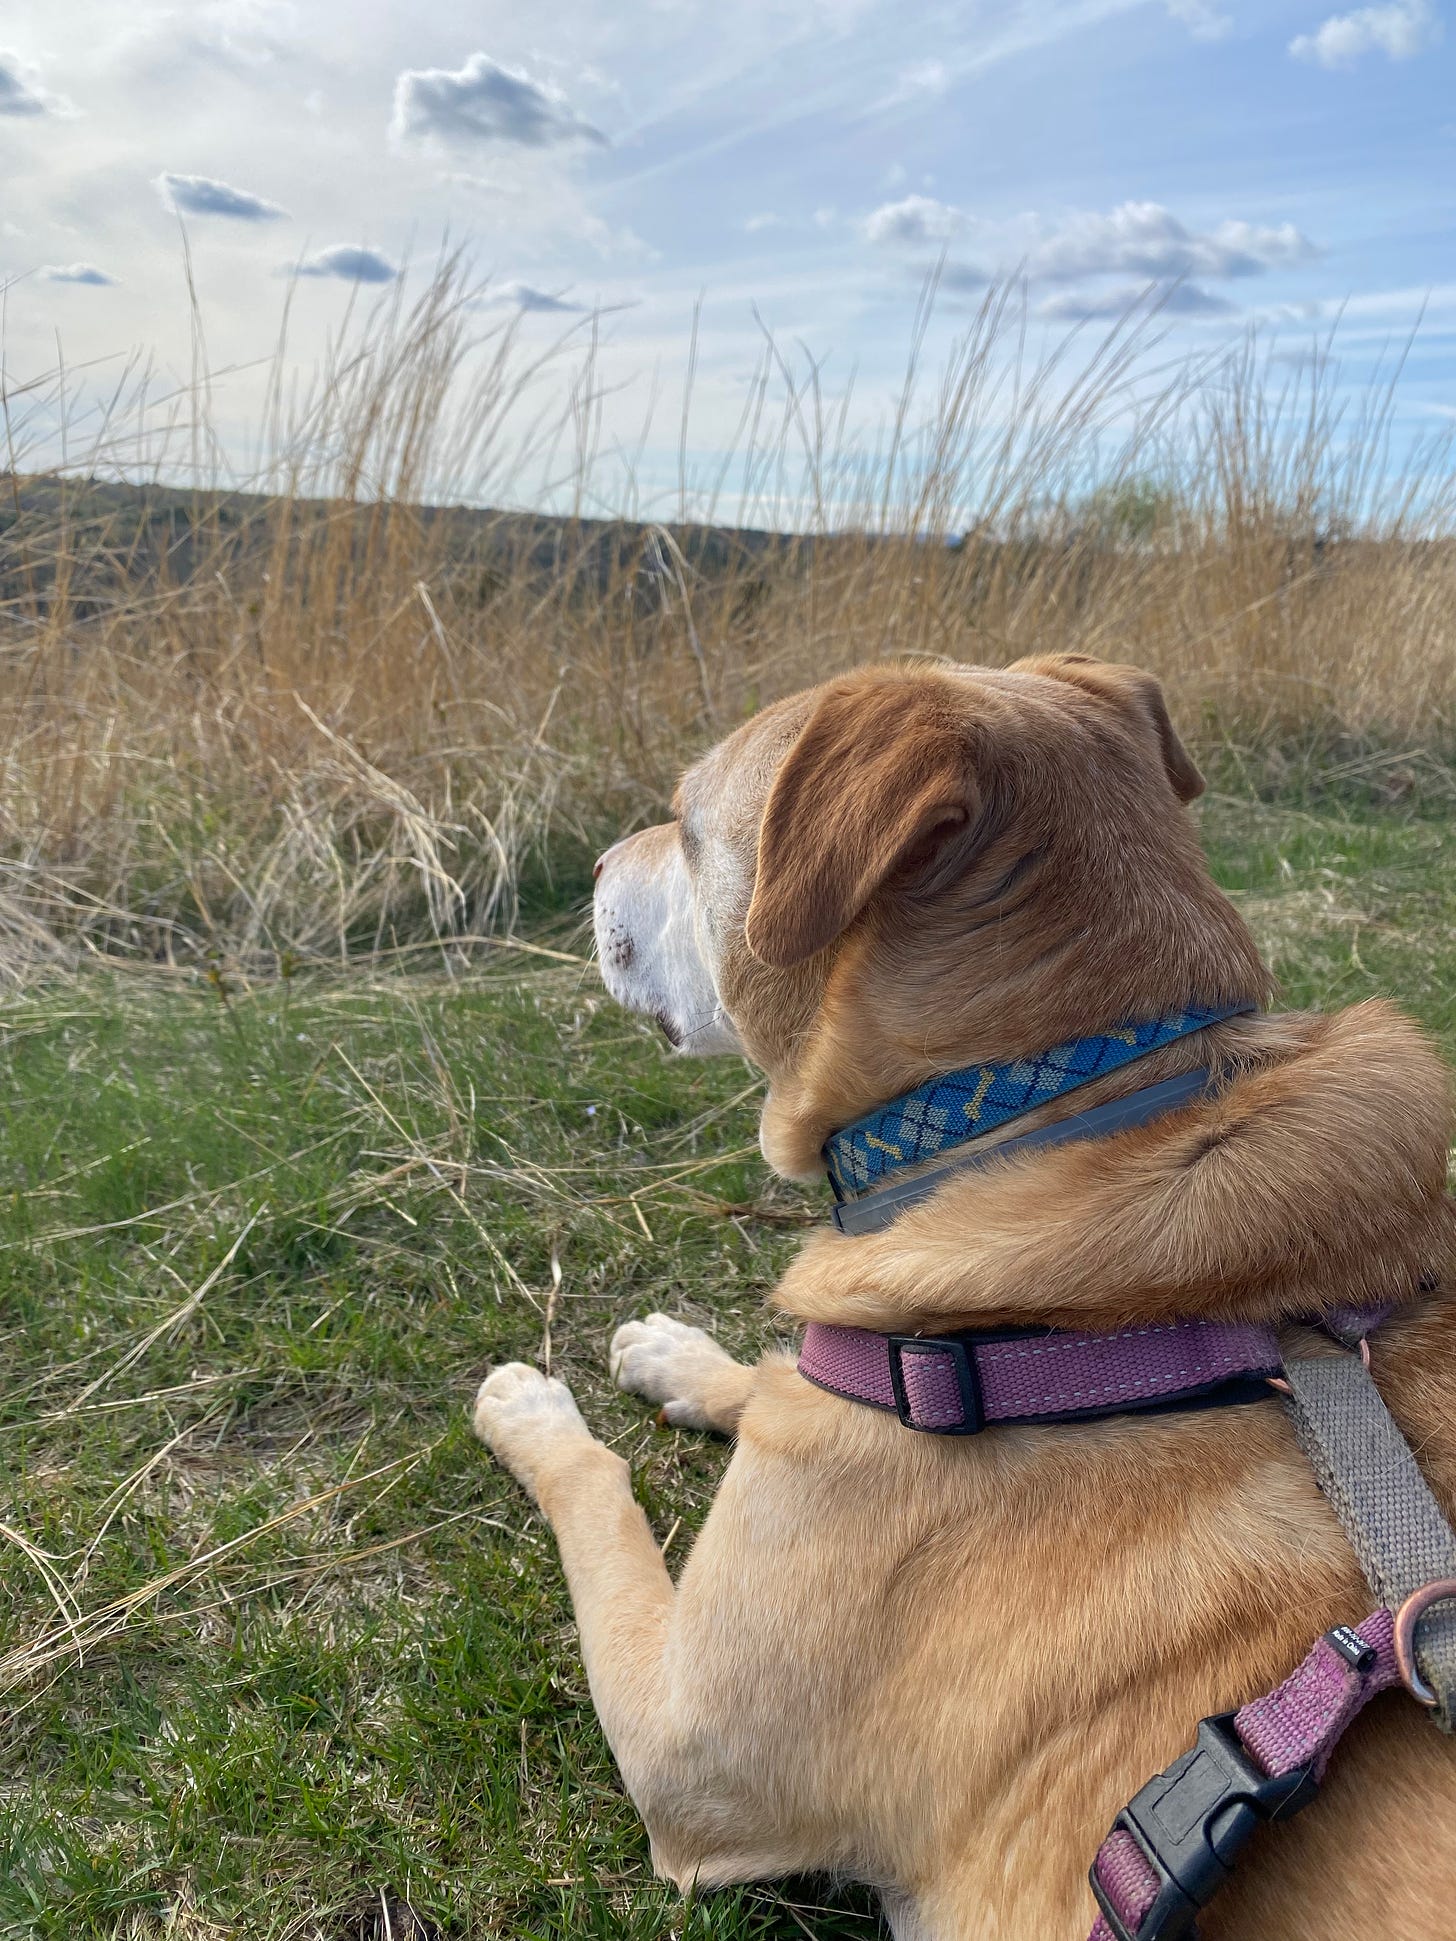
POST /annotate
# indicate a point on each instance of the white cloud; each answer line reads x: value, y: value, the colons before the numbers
x: 620, y: 244
x: 914, y: 219
x: 243, y: 33
x: 924, y: 77
x: 202, y: 195
x: 1201, y: 18
x: 1399, y: 30
x: 21, y: 92
x: 1136, y: 239
x: 475, y: 184
x: 1176, y: 299
x: 352, y: 262
x: 1145, y: 239
x: 1261, y: 247
x: 244, y: 38
x: 766, y: 219
x: 525, y: 296
x: 484, y: 102
x: 76, y: 273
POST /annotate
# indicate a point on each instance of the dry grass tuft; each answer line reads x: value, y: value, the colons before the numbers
x: 322, y: 717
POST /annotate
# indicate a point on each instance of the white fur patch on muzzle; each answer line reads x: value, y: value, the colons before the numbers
x: 648, y: 947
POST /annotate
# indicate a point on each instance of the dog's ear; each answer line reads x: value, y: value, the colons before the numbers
x: 878, y: 781
x: 1141, y: 694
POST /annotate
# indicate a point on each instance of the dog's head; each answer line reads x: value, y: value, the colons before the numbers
x: 909, y: 867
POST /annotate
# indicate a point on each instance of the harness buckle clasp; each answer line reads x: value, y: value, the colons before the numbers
x: 1191, y: 1823
x: 949, y: 1352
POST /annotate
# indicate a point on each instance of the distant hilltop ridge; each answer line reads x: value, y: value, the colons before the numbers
x: 82, y: 546
x: 93, y: 541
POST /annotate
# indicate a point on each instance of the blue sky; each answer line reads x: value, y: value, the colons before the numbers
x: 1268, y: 164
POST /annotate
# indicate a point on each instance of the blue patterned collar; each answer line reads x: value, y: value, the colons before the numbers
x: 963, y: 1105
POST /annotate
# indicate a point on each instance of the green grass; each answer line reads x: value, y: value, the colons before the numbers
x: 285, y: 1654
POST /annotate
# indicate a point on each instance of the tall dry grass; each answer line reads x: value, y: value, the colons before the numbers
x: 326, y: 719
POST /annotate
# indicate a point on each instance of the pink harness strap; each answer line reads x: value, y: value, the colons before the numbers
x: 955, y: 1384
x: 1258, y: 1764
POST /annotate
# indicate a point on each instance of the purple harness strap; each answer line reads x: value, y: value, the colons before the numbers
x: 1260, y: 1763
x: 955, y: 1384
x: 1173, y: 1846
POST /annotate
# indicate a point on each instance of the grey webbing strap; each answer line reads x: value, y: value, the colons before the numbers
x: 1396, y: 1528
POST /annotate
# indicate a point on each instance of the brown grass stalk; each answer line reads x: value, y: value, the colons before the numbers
x: 326, y: 717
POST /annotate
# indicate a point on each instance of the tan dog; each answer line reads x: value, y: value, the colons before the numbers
x: 942, y: 1665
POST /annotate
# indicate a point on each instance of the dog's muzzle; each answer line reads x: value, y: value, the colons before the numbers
x: 647, y: 942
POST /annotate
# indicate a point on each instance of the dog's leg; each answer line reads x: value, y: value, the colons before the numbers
x: 619, y: 1585
x: 698, y: 1384
x: 902, y: 1916
x: 703, y: 1807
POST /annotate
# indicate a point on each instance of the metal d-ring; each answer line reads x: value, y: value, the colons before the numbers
x: 1406, y: 1619
x: 1277, y: 1381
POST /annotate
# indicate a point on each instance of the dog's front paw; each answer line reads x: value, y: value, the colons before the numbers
x: 523, y: 1417
x: 671, y: 1363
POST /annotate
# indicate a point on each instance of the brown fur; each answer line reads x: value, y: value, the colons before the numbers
x: 942, y: 1665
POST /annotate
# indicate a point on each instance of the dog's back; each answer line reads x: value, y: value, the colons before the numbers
x: 943, y: 1664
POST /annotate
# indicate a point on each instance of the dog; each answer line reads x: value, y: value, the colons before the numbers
x: 941, y: 1665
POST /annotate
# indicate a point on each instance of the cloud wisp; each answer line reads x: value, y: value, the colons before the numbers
x: 1201, y: 18
x: 77, y: 273
x: 1173, y: 299
x: 1136, y: 239
x: 525, y: 296
x: 244, y: 35
x: 21, y: 92
x: 1399, y: 30
x: 484, y: 102
x: 350, y: 262
x: 922, y: 81
x: 203, y: 195
x: 1145, y: 239
x: 914, y: 219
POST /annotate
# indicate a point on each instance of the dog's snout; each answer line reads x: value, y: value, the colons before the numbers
x: 606, y: 856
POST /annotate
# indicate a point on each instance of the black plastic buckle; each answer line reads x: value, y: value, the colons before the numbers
x: 1192, y: 1822
x: 973, y: 1408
